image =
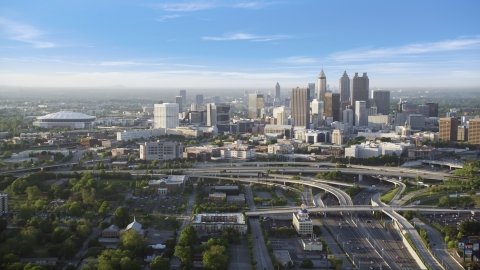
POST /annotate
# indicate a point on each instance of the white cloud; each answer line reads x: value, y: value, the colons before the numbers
x: 410, y: 49
x: 24, y: 33
x: 166, y: 17
x: 186, y: 7
x: 297, y: 60
x: 252, y: 5
x: 244, y: 36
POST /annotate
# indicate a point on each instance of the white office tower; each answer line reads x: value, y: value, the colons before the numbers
x: 211, y: 115
x: 344, y: 87
x: 322, y: 86
x: 178, y: 100
x: 317, y: 108
x: 311, y: 86
x: 165, y: 115
x: 280, y: 113
x: 337, y: 137
x: 193, y: 107
x: 348, y: 117
x: 361, y: 116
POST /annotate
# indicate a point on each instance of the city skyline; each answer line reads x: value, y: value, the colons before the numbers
x: 222, y: 43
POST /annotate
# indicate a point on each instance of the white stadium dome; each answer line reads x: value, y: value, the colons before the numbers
x: 65, y: 119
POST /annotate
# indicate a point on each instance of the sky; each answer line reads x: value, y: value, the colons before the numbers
x: 236, y: 44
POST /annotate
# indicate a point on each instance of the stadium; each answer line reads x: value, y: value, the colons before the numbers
x: 65, y: 119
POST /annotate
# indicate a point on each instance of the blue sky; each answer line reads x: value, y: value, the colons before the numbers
x: 251, y: 44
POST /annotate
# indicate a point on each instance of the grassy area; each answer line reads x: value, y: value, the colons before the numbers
x: 476, y: 198
x: 427, y: 194
x: 292, y: 196
x: 410, y: 189
x: 431, y: 202
x: 387, y: 197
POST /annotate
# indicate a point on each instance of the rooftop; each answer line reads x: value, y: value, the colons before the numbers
x: 199, y: 218
x: 67, y: 115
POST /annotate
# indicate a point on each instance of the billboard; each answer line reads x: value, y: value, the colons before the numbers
x: 461, y: 245
x: 468, y: 248
x: 475, y: 247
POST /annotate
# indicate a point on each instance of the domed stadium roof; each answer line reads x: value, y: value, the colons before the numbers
x: 66, y: 115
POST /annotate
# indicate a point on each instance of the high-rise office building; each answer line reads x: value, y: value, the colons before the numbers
x: 218, y: 113
x: 183, y: 93
x: 359, y: 89
x: 165, y: 115
x: 433, y: 109
x: 211, y: 114
x: 179, y: 101
x: 318, y: 108
x: 348, y: 117
x: 382, y: 101
x: 474, y: 131
x: 277, y: 91
x: 280, y: 114
x: 255, y: 105
x: 300, y: 107
x: 199, y: 100
x: 361, y: 117
x: 322, y: 86
x: 194, y: 107
x: 3, y: 203
x: 344, y: 87
x: 332, y: 106
x: 311, y: 86
x: 448, y: 128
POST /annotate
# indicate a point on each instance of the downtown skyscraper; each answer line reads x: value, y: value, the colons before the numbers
x: 255, y: 105
x: 359, y: 89
x: 344, y: 87
x: 277, y: 91
x: 322, y: 86
x: 382, y: 101
x: 300, y: 107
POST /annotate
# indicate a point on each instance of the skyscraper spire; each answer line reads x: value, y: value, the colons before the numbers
x: 322, y: 74
x: 322, y: 86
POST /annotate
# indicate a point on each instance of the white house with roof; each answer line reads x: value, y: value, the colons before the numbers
x: 134, y: 226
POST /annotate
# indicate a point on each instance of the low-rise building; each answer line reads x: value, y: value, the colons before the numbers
x: 111, y: 232
x: 238, y: 199
x: 302, y: 222
x: 282, y: 148
x: 215, y: 223
x: 217, y: 196
x: 121, y: 152
x: 173, y: 183
x: 228, y: 190
x: 161, y: 150
x: 311, y: 245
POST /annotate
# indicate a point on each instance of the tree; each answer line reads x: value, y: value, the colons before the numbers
x: 111, y: 259
x: 122, y: 218
x: 33, y: 192
x: 132, y: 241
x: 160, y: 263
x: 184, y: 253
x: 307, y: 263
x: 408, y: 215
x: 104, y: 209
x: 215, y: 259
x: 75, y: 210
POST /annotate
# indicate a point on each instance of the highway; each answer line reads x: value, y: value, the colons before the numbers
x: 390, y: 246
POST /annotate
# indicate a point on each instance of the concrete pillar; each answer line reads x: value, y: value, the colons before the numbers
x: 360, y: 177
x: 284, y: 183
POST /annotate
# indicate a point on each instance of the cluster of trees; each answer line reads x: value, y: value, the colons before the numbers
x: 333, y: 175
x: 385, y: 160
x: 283, y: 233
x: 185, y: 247
x: 469, y: 227
x: 462, y: 201
x: 353, y: 190
x: 451, y: 236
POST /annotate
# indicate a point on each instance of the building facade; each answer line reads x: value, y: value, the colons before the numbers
x: 255, y: 106
x: 302, y: 222
x: 361, y: 117
x: 344, y: 87
x: 382, y: 101
x: 448, y: 129
x: 160, y: 150
x: 359, y: 89
x: 300, y: 107
x: 332, y: 106
x: 474, y: 131
x: 165, y: 115
x: 215, y: 223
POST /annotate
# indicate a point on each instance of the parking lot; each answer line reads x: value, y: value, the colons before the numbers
x: 154, y: 204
